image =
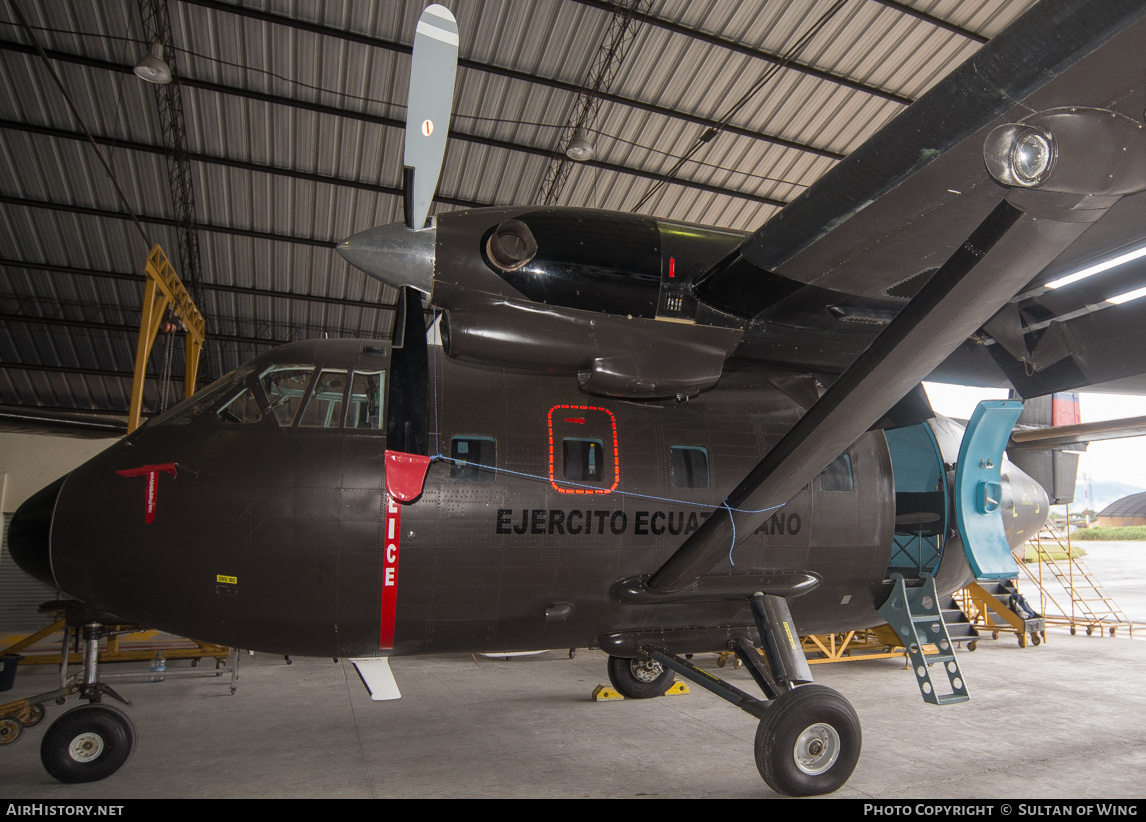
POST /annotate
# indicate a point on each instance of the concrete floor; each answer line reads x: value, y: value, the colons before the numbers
x: 1063, y: 720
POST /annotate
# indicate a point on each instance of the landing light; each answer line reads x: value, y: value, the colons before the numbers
x: 1018, y: 155
x: 1031, y: 157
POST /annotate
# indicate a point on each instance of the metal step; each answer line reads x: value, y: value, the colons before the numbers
x: 914, y: 614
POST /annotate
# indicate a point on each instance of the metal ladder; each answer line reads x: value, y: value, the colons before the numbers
x: 915, y: 616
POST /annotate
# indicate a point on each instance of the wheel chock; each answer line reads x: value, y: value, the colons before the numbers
x: 603, y: 693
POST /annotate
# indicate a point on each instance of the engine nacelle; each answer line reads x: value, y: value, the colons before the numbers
x: 613, y: 356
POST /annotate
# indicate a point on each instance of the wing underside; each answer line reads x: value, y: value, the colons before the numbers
x: 886, y: 218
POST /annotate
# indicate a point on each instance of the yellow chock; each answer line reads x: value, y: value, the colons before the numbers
x: 677, y: 688
x: 603, y: 693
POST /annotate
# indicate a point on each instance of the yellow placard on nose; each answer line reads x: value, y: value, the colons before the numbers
x: 227, y: 579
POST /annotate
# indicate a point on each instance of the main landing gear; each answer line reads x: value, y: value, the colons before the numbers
x: 808, y: 740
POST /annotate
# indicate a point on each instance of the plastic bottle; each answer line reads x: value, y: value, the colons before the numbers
x: 157, y: 668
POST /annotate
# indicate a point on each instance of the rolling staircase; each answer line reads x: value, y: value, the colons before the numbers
x: 1089, y: 606
x: 987, y: 602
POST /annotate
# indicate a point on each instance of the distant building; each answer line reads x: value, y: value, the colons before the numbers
x: 1129, y: 510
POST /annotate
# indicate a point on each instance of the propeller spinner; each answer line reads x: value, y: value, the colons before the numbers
x: 402, y: 255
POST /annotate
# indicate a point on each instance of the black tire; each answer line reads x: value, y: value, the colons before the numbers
x: 87, y: 744
x: 639, y: 678
x: 808, y: 742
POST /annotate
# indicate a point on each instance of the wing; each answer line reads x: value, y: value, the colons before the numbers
x: 886, y: 218
x: 968, y: 199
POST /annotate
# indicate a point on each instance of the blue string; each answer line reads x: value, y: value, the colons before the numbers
x: 537, y: 477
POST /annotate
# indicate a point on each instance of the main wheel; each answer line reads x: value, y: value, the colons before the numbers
x: 639, y: 678
x: 87, y: 744
x: 808, y: 742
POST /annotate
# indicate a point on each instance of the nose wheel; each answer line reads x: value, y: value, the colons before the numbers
x: 87, y: 744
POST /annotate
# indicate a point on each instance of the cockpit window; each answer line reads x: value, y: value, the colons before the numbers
x: 202, y: 402
x: 365, y: 408
x: 285, y: 387
x: 324, y: 408
x: 243, y: 408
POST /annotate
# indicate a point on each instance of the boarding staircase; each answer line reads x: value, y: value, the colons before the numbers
x: 914, y: 613
x: 988, y: 604
x: 1086, y: 602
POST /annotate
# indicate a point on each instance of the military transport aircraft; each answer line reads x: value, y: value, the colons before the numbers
x: 649, y: 437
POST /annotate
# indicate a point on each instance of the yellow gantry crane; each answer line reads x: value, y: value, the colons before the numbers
x: 164, y: 290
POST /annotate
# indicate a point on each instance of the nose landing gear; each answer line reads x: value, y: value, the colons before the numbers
x: 93, y: 741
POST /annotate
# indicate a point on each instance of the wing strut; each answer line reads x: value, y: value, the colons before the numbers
x: 999, y: 258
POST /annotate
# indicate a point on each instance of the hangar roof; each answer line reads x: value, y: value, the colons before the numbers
x: 286, y: 122
x: 1131, y: 506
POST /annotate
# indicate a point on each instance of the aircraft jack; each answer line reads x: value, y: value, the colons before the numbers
x: 808, y: 739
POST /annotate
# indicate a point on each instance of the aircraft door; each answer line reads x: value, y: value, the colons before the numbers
x: 979, y: 489
x: 921, y: 496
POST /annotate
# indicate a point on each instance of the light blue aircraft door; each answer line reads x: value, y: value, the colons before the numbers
x: 978, y: 489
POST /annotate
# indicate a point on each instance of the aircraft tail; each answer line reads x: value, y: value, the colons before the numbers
x: 1053, y: 465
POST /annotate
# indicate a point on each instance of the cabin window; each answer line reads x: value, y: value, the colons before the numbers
x: 285, y: 387
x: 474, y: 459
x: 583, y: 461
x: 324, y: 408
x: 584, y: 457
x: 838, y: 475
x: 242, y: 409
x: 689, y: 467
x: 364, y: 410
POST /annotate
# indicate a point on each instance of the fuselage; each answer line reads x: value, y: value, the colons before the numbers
x: 256, y: 514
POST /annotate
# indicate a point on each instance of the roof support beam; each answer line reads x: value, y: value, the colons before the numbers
x: 524, y: 77
x: 759, y: 54
x: 604, y: 5
x: 226, y: 289
x: 382, y: 189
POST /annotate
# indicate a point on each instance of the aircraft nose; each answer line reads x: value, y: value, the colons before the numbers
x: 394, y: 254
x: 29, y: 533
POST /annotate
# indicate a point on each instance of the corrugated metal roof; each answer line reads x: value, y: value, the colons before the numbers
x: 292, y: 113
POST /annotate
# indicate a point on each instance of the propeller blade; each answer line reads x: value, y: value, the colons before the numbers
x: 428, y: 106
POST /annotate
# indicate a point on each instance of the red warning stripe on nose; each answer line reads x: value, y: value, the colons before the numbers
x: 152, y: 491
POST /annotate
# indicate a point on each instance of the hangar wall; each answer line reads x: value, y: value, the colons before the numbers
x: 28, y: 462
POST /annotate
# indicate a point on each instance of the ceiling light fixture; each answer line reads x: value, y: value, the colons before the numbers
x: 1098, y: 268
x: 580, y: 150
x: 1128, y: 296
x: 152, y: 67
